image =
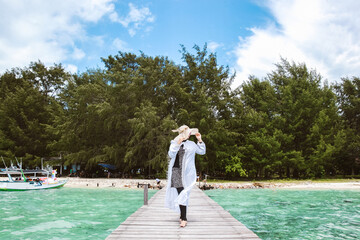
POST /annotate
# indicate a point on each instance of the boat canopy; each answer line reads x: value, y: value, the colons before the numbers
x: 25, y: 171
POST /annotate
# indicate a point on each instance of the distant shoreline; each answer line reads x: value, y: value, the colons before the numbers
x: 302, y: 185
x: 133, y: 183
x: 121, y: 183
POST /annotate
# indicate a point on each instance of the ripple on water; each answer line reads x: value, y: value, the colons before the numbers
x: 13, y: 218
x: 294, y: 214
x: 66, y: 213
x: 46, y: 226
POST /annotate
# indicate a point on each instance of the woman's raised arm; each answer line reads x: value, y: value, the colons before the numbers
x: 201, y: 148
x: 173, y: 149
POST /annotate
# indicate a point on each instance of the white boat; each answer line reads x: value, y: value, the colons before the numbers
x: 23, y: 182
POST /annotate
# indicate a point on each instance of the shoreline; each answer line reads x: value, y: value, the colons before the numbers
x: 117, y: 183
x: 133, y: 183
x: 121, y: 183
x: 303, y: 185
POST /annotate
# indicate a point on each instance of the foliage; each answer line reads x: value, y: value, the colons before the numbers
x: 28, y: 109
x: 290, y: 124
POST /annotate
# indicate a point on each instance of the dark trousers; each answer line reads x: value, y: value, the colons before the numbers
x: 182, y: 207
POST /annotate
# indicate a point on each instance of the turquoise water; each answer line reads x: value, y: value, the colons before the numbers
x: 66, y: 213
x: 294, y: 214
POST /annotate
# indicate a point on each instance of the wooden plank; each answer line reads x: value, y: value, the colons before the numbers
x: 206, y: 220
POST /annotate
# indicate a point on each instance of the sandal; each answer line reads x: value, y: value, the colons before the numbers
x: 183, y: 223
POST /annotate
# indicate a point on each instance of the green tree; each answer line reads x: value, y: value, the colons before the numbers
x: 205, y: 100
x: 28, y: 109
x: 348, y: 93
x: 82, y: 126
x: 149, y: 140
x: 291, y: 120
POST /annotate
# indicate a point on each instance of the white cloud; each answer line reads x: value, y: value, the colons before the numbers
x: 120, y: 45
x: 71, y: 68
x: 323, y: 34
x: 78, y: 54
x: 136, y: 18
x: 46, y: 30
x: 212, y: 46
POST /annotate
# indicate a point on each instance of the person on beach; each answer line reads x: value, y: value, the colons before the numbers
x: 181, y: 170
x: 158, y: 183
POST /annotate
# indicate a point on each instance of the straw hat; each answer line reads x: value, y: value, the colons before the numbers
x: 184, y: 132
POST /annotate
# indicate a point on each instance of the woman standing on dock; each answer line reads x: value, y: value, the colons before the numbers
x: 182, y: 171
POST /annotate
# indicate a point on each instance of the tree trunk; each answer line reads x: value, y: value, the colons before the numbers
x: 296, y: 173
x: 287, y: 172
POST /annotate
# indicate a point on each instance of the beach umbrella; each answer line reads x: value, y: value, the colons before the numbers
x: 108, y: 166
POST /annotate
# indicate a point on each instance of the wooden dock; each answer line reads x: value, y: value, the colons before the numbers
x: 206, y: 220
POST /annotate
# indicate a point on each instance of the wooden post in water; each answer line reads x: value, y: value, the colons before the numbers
x: 146, y: 194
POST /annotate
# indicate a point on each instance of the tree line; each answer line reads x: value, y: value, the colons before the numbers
x: 291, y: 123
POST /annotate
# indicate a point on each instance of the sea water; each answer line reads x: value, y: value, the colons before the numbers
x: 294, y: 214
x: 66, y: 213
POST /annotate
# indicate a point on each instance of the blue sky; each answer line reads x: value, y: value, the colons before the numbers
x: 179, y: 22
x: 249, y: 36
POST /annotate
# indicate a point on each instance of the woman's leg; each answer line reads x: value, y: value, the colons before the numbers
x: 182, y: 207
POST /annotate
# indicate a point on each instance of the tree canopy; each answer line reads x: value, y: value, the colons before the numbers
x: 290, y: 124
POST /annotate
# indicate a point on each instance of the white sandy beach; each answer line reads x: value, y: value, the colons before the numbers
x: 74, y: 182
x: 353, y: 185
x: 133, y: 183
x: 301, y: 185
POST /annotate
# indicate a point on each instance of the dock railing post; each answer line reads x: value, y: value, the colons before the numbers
x: 146, y: 194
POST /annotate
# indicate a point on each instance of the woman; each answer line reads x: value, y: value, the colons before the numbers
x: 182, y: 172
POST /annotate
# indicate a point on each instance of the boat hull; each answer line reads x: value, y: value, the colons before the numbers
x: 24, y: 186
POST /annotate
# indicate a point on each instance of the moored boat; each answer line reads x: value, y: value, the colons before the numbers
x: 23, y: 181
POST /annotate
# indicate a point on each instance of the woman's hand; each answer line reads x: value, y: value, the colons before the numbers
x: 180, y: 140
x: 198, y: 136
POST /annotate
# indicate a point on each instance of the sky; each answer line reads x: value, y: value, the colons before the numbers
x: 249, y: 36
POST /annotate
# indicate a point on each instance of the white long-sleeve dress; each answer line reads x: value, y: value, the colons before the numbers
x: 172, y: 198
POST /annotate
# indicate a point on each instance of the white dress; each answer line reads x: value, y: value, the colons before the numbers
x: 172, y: 198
